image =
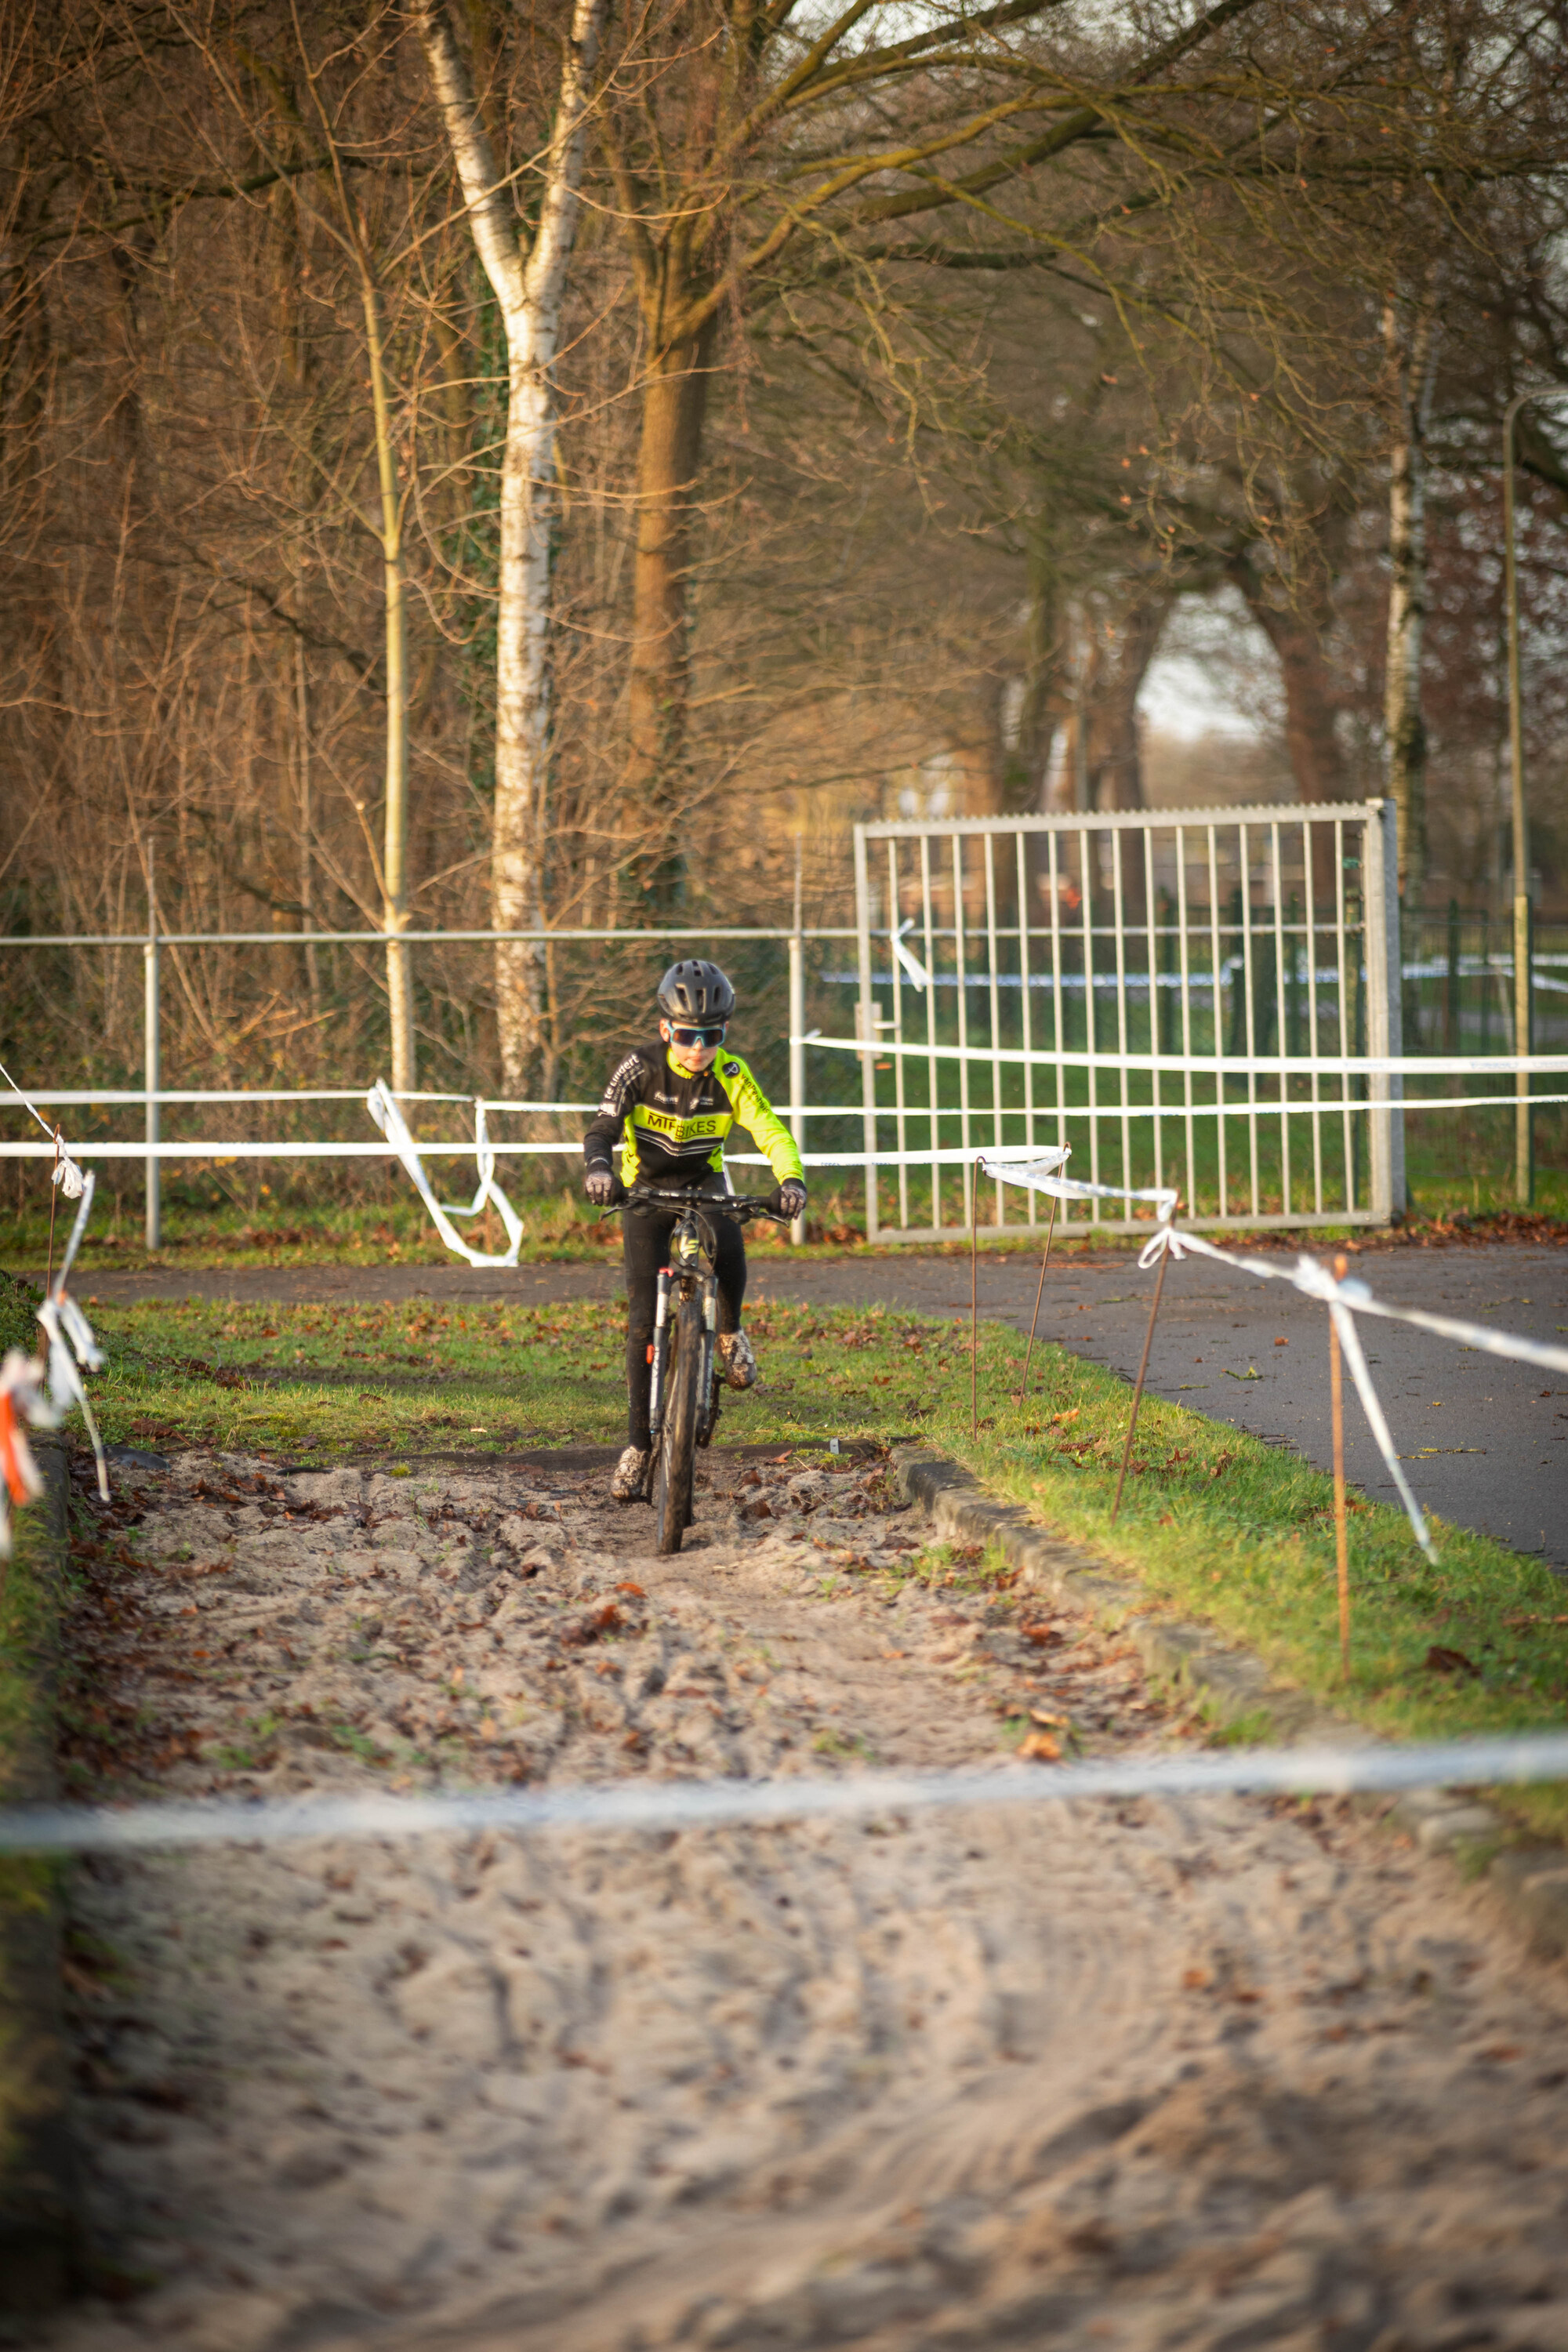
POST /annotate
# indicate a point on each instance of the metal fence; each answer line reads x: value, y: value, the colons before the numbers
x: 1188, y: 997
x: 1133, y: 985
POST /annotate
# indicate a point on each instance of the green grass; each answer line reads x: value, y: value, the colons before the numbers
x: 1215, y: 1523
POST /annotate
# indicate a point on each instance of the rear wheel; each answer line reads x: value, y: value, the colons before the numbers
x: 678, y: 1439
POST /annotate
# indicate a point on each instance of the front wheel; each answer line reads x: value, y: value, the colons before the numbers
x: 672, y: 1477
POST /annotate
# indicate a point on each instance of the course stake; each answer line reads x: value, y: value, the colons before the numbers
x: 975, y: 1305
x: 1342, y: 1538
x: 1142, y: 1371
x: 1039, y: 1294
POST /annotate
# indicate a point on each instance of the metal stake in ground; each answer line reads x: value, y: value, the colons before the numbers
x: 54, y: 1196
x: 1341, y: 1538
x: 1039, y: 1294
x: 974, y: 1304
x: 1138, y: 1387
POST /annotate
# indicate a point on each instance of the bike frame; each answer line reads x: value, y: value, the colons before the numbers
x: 692, y: 1241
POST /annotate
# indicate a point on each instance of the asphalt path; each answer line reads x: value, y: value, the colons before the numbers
x: 1478, y: 1435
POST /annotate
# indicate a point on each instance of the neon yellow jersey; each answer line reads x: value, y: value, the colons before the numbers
x: 672, y: 1126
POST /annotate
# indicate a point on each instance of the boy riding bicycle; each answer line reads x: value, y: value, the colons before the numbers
x: 669, y: 1106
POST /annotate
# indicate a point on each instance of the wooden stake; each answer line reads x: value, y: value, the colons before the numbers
x: 974, y: 1305
x: 1341, y: 1537
x: 1138, y: 1389
x: 1039, y: 1294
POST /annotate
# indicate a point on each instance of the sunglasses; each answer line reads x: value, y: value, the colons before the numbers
x: 714, y: 1037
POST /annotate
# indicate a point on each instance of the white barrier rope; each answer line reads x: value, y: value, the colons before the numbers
x: 641, y: 1804
x: 1345, y: 1300
x: 66, y: 1175
x: 1227, y: 1065
x: 382, y: 1107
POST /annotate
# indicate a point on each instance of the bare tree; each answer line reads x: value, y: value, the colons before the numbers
x: 529, y: 286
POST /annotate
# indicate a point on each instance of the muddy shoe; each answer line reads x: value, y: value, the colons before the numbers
x: 740, y: 1363
x: 630, y: 1472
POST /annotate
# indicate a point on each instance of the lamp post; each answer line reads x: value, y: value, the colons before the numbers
x: 1524, y: 994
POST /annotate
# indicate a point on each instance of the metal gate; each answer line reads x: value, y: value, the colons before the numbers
x: 1181, y: 998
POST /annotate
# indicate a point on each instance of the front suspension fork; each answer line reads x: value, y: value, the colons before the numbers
x: 658, y: 1354
x: 706, y: 1414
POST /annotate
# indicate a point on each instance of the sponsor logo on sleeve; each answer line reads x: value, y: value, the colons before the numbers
x: 731, y: 1069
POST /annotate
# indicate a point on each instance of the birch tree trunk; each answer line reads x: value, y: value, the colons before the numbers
x: 395, y: 850
x: 530, y: 289
x: 1410, y: 340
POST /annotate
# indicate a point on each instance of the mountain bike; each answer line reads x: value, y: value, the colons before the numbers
x: 683, y: 1394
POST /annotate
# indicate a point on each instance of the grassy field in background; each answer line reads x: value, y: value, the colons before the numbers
x: 1215, y: 1523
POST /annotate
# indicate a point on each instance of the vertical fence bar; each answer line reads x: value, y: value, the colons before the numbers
x: 894, y: 918
x: 1186, y: 1012
x: 150, y: 1058
x: 1090, y: 1022
x: 1217, y: 1021
x: 1118, y: 888
x: 1025, y: 1014
x: 1156, y: 1044
x: 1282, y: 1039
x: 1058, y: 1016
x: 797, y: 1027
x: 960, y: 962
x: 868, y: 1028
x: 1244, y: 868
x: 1341, y: 965
x: 1310, y: 895
x: 994, y: 1002
x: 1380, y: 864
x: 933, y: 1090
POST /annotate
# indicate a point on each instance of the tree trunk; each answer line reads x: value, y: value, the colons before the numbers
x: 1411, y: 346
x: 675, y: 401
x: 394, y: 851
x: 530, y: 297
x: 1317, y: 762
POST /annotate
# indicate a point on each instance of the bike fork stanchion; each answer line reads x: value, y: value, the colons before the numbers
x: 658, y: 1356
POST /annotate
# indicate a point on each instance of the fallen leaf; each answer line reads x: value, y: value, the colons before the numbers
x: 1440, y: 1661
x: 487, y: 1727
x: 1041, y: 1748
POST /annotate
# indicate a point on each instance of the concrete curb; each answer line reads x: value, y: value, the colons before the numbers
x: 1235, y: 1687
x: 37, y: 2188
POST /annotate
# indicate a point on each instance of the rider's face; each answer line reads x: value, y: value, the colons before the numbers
x: 691, y: 1058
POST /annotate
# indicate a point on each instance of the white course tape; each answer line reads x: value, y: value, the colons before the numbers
x: 706, y: 1804
x: 1225, y: 1066
x: 383, y: 1108
x: 1344, y: 1301
x: 66, y: 1175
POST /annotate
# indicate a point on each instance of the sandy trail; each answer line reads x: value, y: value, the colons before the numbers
x: 1214, y: 2074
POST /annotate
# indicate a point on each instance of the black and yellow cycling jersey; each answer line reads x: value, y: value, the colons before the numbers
x: 671, y: 1125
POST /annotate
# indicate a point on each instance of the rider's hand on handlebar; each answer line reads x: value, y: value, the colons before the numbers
x: 602, y: 1186
x: 791, y: 1197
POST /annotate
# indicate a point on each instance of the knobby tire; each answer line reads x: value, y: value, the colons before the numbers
x: 678, y: 1439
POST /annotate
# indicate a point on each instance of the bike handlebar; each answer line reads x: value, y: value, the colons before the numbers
x: 741, y: 1206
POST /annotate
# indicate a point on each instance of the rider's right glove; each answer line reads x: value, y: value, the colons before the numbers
x: 791, y: 1197
x: 600, y: 1186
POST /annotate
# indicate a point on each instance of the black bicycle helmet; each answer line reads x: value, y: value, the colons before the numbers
x: 695, y: 990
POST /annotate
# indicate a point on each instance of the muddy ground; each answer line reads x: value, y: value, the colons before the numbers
x: 1221, y: 2074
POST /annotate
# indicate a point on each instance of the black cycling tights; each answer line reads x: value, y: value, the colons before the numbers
x: 645, y: 1242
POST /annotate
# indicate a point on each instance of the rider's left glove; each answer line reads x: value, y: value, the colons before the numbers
x: 791, y: 1197
x: 600, y: 1186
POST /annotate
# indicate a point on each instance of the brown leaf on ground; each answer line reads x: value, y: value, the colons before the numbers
x: 1041, y: 1748
x: 1450, y: 1662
